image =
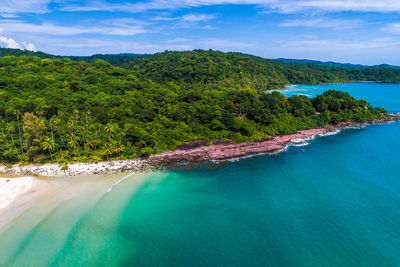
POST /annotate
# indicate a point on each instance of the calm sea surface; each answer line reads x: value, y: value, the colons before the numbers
x: 335, y: 202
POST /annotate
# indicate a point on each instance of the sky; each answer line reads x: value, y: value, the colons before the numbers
x: 354, y: 31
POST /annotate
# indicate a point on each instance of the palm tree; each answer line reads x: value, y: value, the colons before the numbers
x: 73, y: 142
x: 76, y: 112
x: 88, y: 144
x: 56, y: 121
x: 108, y: 150
x: 109, y: 128
x: 87, y: 122
x: 118, y: 148
x: 18, y: 114
x: 10, y: 130
x: 48, y: 144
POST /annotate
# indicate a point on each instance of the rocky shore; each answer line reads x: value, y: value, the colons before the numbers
x: 191, y: 152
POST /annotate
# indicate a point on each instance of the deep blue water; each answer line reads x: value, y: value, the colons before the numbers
x: 335, y: 202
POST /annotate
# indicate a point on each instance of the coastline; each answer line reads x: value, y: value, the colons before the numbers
x: 289, y: 85
x: 191, y: 152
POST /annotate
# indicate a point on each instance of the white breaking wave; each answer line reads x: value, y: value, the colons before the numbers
x: 330, y: 133
x: 301, y: 144
x: 119, y: 181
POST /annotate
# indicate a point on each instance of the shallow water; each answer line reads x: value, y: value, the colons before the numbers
x: 335, y: 202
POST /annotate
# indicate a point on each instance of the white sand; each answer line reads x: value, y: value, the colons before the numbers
x: 37, y: 196
x: 10, y: 188
x: 18, y: 194
x: 78, y: 169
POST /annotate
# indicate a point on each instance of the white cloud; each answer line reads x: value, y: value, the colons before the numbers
x: 11, y: 43
x: 187, y: 21
x: 349, y: 45
x: 283, y: 6
x: 29, y: 46
x: 392, y: 28
x: 8, y: 15
x: 322, y: 23
x: 122, y: 28
x: 178, y: 40
x: 155, y: 5
x: 161, y: 18
x: 208, y: 27
x: 336, y: 5
x: 9, y: 7
x: 213, y: 43
x: 216, y: 43
x: 198, y: 17
x: 187, y: 18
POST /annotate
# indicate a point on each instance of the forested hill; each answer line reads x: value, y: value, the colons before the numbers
x: 214, y: 69
x: 335, y: 64
x: 119, y: 60
x: 64, y: 110
x: 115, y: 59
x: 19, y: 52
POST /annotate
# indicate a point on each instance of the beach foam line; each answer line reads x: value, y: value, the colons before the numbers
x: 10, y: 188
x: 119, y: 181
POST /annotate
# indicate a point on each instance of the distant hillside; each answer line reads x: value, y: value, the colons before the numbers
x: 19, y: 52
x: 115, y: 59
x: 334, y: 64
x: 214, y: 69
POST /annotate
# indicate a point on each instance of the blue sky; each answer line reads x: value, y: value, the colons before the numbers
x: 356, y: 31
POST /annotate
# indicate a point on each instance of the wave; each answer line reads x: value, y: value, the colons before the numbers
x: 119, y: 181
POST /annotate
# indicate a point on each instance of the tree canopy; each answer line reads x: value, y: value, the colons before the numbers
x: 67, y: 110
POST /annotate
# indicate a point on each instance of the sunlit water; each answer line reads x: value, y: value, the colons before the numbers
x: 335, y: 202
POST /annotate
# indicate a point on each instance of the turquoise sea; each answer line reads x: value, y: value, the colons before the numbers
x: 335, y: 202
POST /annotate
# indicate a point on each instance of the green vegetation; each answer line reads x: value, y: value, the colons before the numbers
x: 58, y: 109
x: 19, y: 52
x: 213, y: 69
x: 116, y: 60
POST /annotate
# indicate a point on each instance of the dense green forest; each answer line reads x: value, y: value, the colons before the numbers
x: 335, y: 64
x: 115, y: 59
x: 214, y: 69
x: 58, y: 109
x: 19, y: 52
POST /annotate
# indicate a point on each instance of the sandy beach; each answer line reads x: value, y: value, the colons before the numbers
x: 21, y: 194
x: 10, y: 188
x: 18, y: 193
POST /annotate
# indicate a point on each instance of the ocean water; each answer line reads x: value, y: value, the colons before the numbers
x: 383, y: 95
x: 335, y: 202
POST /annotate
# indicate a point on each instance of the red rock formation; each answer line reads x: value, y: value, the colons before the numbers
x: 222, y: 150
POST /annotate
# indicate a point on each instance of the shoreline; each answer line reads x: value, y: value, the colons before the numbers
x: 286, y: 86
x: 194, y: 152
